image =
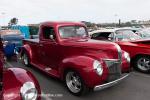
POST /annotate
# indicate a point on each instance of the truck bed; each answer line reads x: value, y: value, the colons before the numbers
x: 32, y: 40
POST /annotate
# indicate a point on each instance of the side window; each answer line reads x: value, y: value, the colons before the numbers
x: 95, y: 35
x: 119, y: 36
x: 48, y: 32
x: 110, y: 37
x: 103, y: 36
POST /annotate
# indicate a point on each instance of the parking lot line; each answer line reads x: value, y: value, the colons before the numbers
x: 10, y: 65
x: 43, y: 96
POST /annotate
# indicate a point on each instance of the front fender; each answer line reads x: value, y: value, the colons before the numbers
x: 84, y: 66
x: 13, y: 80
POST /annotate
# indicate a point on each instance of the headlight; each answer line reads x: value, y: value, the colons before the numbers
x: 98, y: 67
x: 127, y: 56
x: 28, y: 91
x: 5, y: 43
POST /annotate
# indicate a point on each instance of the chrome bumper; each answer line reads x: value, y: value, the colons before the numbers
x: 103, y: 86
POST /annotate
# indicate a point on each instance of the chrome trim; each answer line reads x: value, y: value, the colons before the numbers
x: 114, y: 69
x: 116, y: 60
x: 107, y: 85
x: 109, y: 62
x: 119, y: 51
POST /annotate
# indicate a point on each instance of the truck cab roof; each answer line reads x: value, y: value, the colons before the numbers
x: 61, y: 23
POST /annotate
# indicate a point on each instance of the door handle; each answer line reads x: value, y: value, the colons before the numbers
x: 41, y: 45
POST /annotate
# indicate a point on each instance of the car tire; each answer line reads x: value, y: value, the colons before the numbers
x: 142, y: 63
x: 75, y: 84
x: 25, y: 59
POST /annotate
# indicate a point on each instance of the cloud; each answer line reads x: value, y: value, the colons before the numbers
x: 35, y: 11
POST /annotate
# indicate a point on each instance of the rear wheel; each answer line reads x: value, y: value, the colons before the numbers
x: 142, y: 63
x: 25, y: 59
x: 74, y: 83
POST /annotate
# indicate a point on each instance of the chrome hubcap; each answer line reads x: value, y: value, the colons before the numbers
x: 73, y: 82
x: 144, y: 64
x: 25, y: 59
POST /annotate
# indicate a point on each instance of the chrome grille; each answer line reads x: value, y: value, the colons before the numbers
x: 119, y: 51
x: 114, y: 68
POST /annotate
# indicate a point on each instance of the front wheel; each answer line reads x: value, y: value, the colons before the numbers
x: 25, y: 59
x: 75, y: 84
x: 142, y: 63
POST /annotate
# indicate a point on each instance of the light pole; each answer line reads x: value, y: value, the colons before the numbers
x: 116, y: 19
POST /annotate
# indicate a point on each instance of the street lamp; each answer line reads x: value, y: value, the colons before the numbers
x: 118, y: 20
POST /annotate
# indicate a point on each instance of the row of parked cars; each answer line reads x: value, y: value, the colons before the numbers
x: 66, y: 51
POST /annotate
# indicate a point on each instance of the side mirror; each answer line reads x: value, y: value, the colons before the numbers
x: 51, y: 37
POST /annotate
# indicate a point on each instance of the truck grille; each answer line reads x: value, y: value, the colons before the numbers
x: 114, y: 68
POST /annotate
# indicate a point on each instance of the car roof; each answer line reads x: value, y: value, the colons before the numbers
x: 62, y: 23
x: 110, y: 30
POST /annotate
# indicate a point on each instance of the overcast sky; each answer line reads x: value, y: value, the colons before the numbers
x: 99, y: 11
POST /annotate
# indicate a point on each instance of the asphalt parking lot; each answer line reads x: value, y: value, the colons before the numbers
x: 135, y: 87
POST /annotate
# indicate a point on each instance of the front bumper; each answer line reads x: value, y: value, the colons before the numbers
x: 106, y: 85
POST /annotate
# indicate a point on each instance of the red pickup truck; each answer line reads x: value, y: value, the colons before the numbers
x: 65, y: 50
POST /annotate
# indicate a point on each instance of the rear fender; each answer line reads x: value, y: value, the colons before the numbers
x: 27, y: 49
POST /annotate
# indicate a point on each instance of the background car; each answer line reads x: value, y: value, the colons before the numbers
x: 12, y: 41
x: 138, y: 48
x: 17, y: 83
x: 144, y: 33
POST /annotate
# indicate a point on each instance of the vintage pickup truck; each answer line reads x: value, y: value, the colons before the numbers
x: 65, y: 51
x: 17, y: 83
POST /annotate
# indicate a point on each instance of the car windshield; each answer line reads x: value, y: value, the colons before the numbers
x: 126, y: 35
x: 145, y: 33
x: 72, y: 32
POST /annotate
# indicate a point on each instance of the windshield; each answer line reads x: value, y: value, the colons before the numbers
x: 144, y: 33
x: 125, y: 35
x: 72, y: 32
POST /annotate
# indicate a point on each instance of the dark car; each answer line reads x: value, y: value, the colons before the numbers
x: 12, y: 41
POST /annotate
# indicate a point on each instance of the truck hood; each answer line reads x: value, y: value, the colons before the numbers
x: 95, y: 45
x: 89, y: 43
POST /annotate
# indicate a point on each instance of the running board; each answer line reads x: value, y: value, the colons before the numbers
x: 48, y: 70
